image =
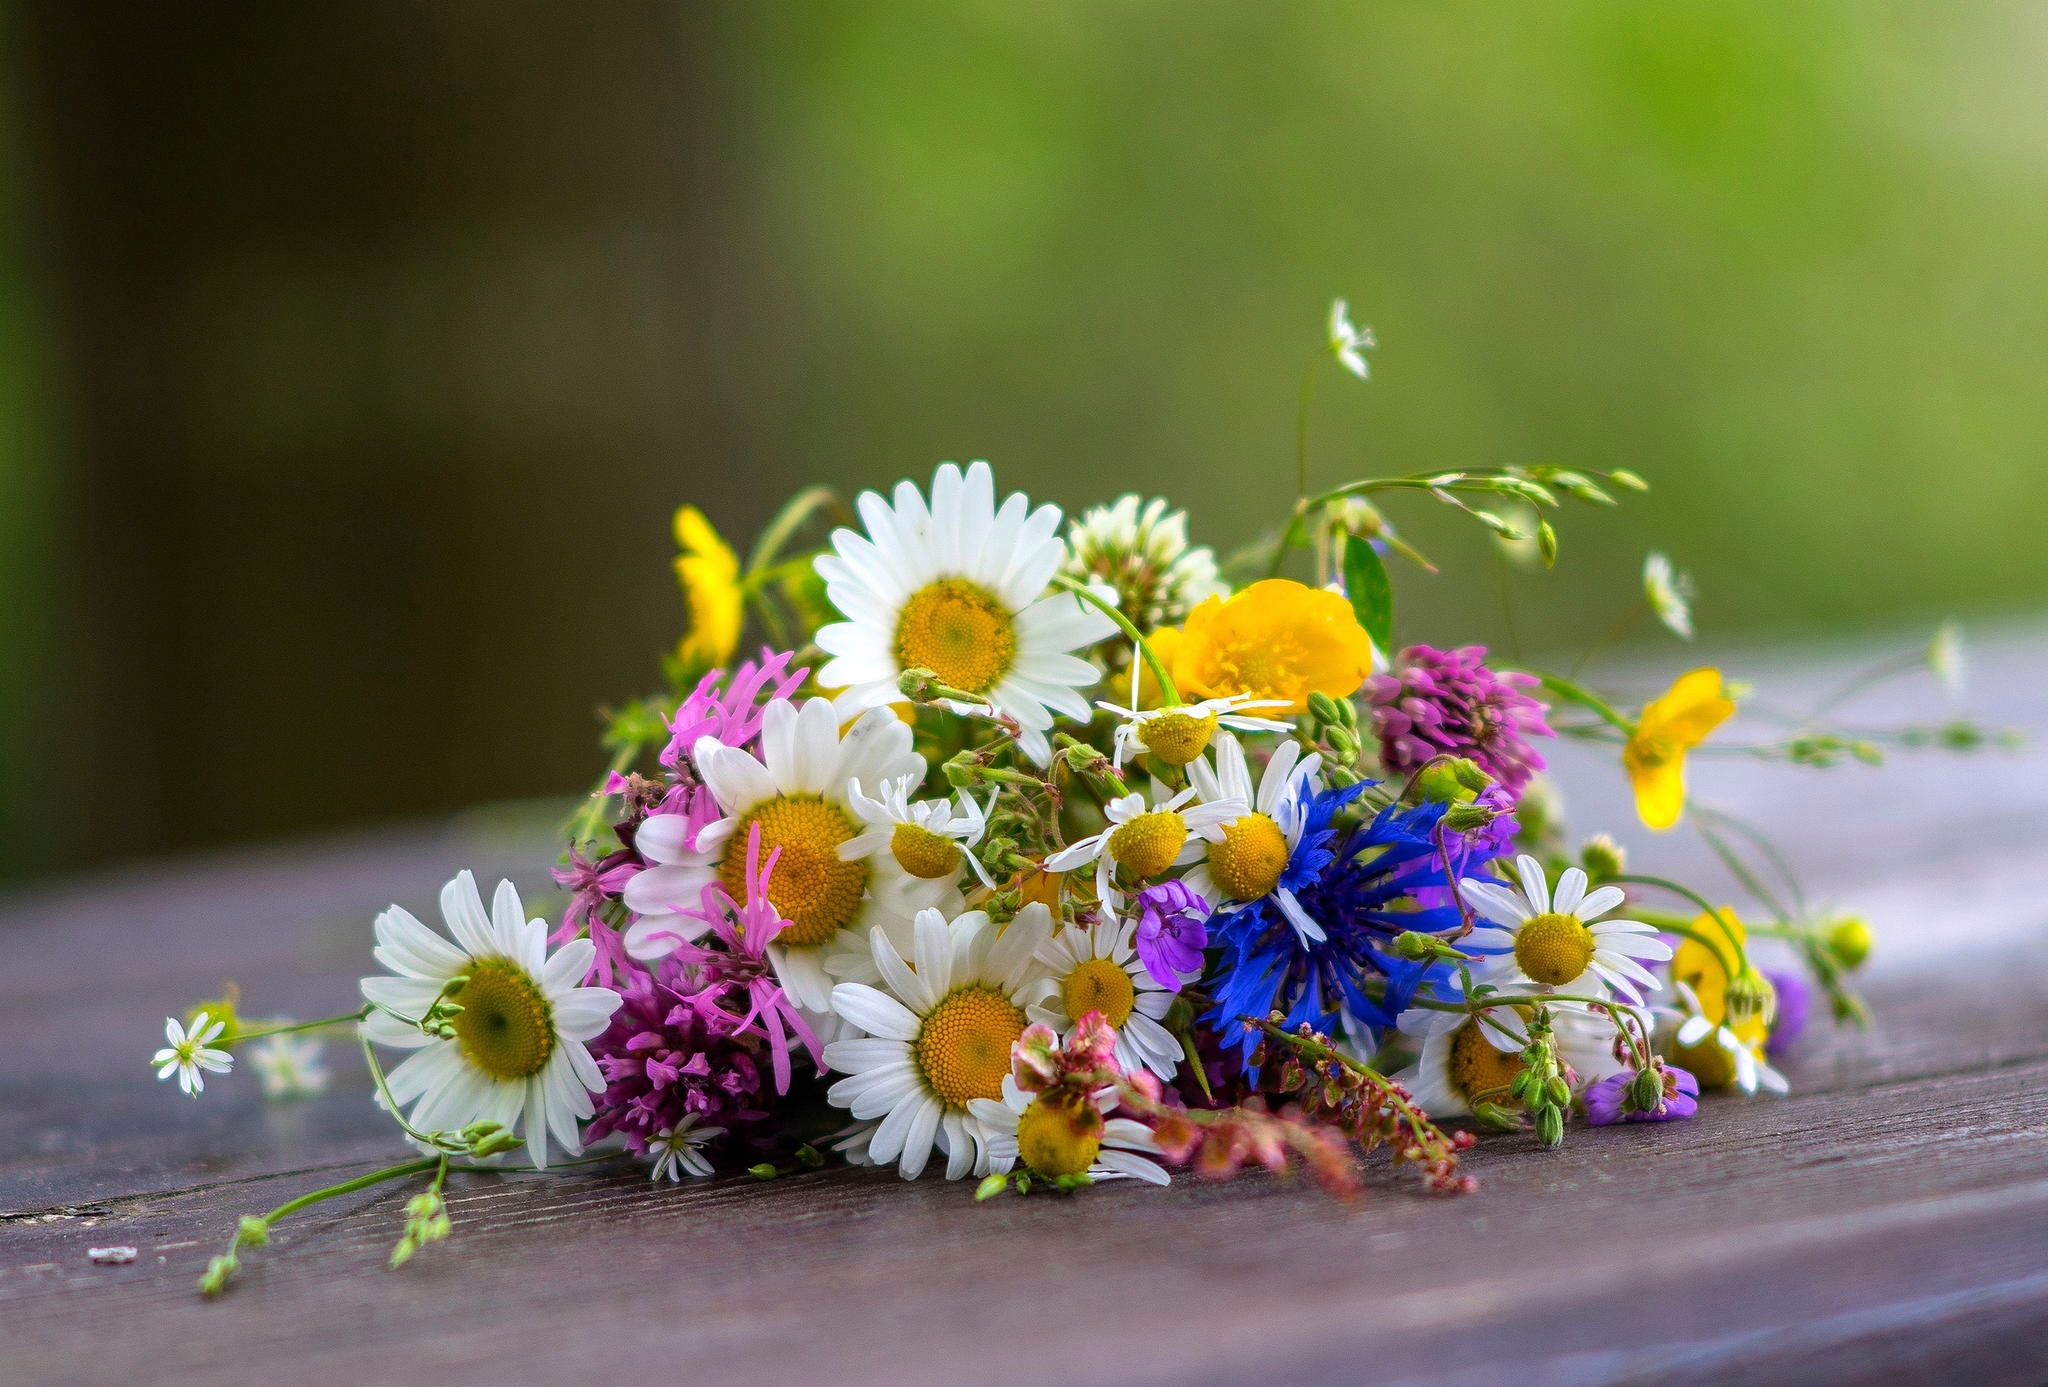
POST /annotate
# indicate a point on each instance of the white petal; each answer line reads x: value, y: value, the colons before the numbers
x: 873, y: 1011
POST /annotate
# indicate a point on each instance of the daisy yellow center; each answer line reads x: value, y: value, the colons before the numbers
x: 1247, y: 863
x: 1059, y: 1138
x: 1177, y: 738
x: 963, y: 1047
x: 1478, y: 1069
x: 923, y: 853
x: 812, y: 888
x: 1099, y: 985
x: 1554, y: 949
x: 505, y: 1027
x: 1149, y: 843
x: 958, y: 631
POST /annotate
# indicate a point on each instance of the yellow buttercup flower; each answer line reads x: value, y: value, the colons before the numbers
x: 1670, y: 727
x: 1721, y: 1040
x: 709, y: 572
x: 1278, y: 639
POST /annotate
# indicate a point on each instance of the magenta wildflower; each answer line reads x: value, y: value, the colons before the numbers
x: 1172, y: 932
x: 731, y: 714
x: 671, y: 1053
x: 738, y: 974
x: 1448, y: 703
x: 593, y: 885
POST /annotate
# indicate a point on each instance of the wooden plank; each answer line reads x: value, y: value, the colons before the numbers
x: 1884, y: 1224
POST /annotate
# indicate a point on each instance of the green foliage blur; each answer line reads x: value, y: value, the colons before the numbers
x: 352, y: 360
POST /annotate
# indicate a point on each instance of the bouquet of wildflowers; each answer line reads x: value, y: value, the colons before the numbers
x: 1041, y: 853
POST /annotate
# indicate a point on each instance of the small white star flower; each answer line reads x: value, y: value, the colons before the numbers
x: 1349, y: 343
x: 677, y: 1149
x: 186, y: 1055
x: 1670, y: 595
x: 289, y: 1066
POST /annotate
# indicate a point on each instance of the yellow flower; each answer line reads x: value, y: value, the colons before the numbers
x: 1277, y: 639
x: 709, y: 573
x: 1712, y: 1058
x: 1670, y: 727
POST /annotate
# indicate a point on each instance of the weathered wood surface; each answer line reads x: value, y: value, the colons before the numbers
x: 1887, y: 1223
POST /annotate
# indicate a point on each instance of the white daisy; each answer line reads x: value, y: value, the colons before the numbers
x: 1146, y: 841
x: 938, y: 1034
x: 519, y: 1053
x: 796, y: 793
x: 1245, y: 857
x: 677, y: 1149
x: 1179, y: 734
x: 1752, y: 1071
x: 1053, y: 1143
x: 959, y: 587
x: 928, y: 838
x: 1464, y: 1060
x: 289, y: 1066
x: 186, y: 1053
x: 1098, y: 969
x: 1142, y: 552
x: 1555, y: 941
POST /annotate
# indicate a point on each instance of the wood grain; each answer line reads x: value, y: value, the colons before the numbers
x: 1887, y: 1223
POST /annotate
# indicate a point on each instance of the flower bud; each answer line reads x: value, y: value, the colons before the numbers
x: 1751, y: 994
x: 918, y: 685
x: 1550, y: 1126
x: 1848, y: 939
x: 1323, y: 708
x: 1603, y: 858
x: 1644, y: 1092
x: 251, y: 1232
x: 1557, y: 1092
x: 1468, y: 818
x: 1415, y: 946
x: 1454, y: 781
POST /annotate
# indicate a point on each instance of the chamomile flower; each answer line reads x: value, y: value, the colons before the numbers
x: 187, y: 1053
x: 1719, y: 1052
x: 1248, y: 857
x: 1146, y: 840
x: 937, y: 1034
x: 519, y: 1055
x: 1055, y: 1139
x: 289, y: 1066
x: 1097, y: 969
x: 1465, y: 1061
x: 680, y: 1148
x: 1178, y: 734
x: 928, y: 838
x: 1559, y: 940
x: 797, y: 794
x: 1142, y: 552
x: 959, y: 587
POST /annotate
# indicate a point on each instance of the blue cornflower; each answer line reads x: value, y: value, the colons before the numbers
x: 1359, y: 895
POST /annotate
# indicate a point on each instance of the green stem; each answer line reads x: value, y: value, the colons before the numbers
x: 792, y: 518
x: 361, y: 1182
x: 1565, y: 688
x: 241, y: 1036
x: 1167, y: 688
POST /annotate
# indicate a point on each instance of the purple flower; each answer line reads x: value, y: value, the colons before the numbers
x: 1795, y: 1000
x: 1607, y: 1101
x: 672, y: 1051
x: 1172, y: 932
x: 1448, y: 703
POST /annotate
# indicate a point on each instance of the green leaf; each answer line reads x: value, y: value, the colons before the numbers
x: 1372, y: 596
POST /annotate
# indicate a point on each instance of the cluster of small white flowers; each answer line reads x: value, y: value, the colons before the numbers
x: 1142, y: 551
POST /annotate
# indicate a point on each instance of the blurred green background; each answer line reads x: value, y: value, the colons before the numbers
x: 352, y: 358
